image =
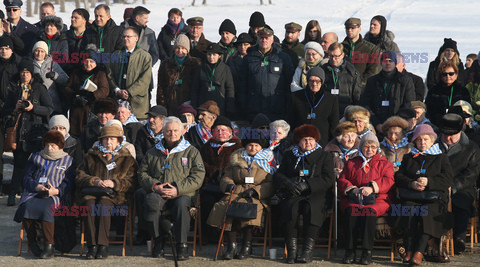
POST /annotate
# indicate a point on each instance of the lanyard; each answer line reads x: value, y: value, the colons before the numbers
x: 210, y: 78
x: 101, y: 37
x: 88, y: 78
x: 387, y: 92
x: 335, y: 80
x: 352, y: 48
x: 451, y: 97
x: 308, y: 100
x: 108, y: 173
x: 49, y: 45
x: 46, y: 169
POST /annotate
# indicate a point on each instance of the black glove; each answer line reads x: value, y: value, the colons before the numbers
x: 50, y: 75
x: 302, y: 188
x: 229, y: 188
x: 81, y: 100
x: 249, y: 193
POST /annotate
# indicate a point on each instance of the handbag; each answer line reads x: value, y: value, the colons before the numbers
x: 361, y: 199
x: 10, y: 141
x: 418, y: 196
x: 242, y: 210
x: 98, y: 191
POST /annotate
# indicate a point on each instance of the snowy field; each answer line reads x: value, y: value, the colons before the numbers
x: 419, y: 26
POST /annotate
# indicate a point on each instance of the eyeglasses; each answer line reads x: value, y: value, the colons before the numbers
x: 315, y: 81
x: 336, y: 56
x: 445, y: 74
x: 13, y: 9
x: 370, y: 146
x: 58, y: 128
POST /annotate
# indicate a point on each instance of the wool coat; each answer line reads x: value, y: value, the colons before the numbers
x: 395, y: 155
x: 108, y: 40
x: 28, y: 33
x: 199, y: 50
x: 441, y: 97
x: 364, y: 55
x: 216, y: 162
x: 296, y: 51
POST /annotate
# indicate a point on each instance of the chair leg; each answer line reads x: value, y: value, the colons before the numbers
x: 195, y: 230
x: 472, y: 221
x: 452, y: 250
x: 131, y: 220
x: 82, y: 237
x: 330, y: 233
x: 265, y: 235
x: 21, y: 241
x: 125, y: 227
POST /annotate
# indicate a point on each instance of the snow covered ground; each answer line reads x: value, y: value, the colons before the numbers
x: 419, y: 26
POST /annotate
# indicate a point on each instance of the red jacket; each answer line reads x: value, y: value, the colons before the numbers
x: 380, y: 176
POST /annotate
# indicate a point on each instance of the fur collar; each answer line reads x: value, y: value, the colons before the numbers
x: 236, y: 160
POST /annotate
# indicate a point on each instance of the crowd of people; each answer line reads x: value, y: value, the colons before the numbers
x: 244, y: 125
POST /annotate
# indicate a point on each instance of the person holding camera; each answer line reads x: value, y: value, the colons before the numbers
x: 30, y: 104
x: 303, y: 180
x: 47, y: 183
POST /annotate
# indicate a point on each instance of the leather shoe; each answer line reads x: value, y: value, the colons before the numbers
x: 182, y: 251
x: 102, y: 252
x: 35, y: 249
x: 92, y: 251
x: 417, y: 258
x: 231, y: 251
x: 349, y: 256
x: 366, y: 258
x: 48, y: 251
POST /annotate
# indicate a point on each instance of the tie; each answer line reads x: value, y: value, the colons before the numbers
x: 14, y: 28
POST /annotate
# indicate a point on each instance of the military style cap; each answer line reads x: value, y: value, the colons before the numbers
x: 293, y: 25
x: 353, y: 21
x: 265, y: 31
x: 195, y: 21
x: 12, y: 3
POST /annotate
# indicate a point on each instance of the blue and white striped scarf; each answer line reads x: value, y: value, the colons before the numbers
x: 433, y: 150
x: 403, y: 142
x: 363, y: 134
x: 156, y: 138
x: 264, y: 159
x: 131, y: 118
x: 221, y: 146
x: 104, y: 150
x: 296, y: 153
x: 345, y: 153
x: 184, y: 144
x: 203, y: 132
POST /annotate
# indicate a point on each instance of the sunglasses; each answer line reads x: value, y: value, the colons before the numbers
x: 13, y: 9
x: 445, y: 74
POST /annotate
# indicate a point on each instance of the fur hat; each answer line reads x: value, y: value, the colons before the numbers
x: 394, y: 121
x: 423, y: 129
x: 418, y: 104
x: 54, y: 137
x: 59, y: 120
x: 256, y: 20
x: 345, y: 127
x: 369, y: 137
x: 258, y: 136
x: 318, y: 72
x: 27, y: 65
x: 451, y: 123
x: 305, y: 130
x: 42, y: 45
x: 105, y: 105
x: 210, y: 106
x: 56, y: 21
x: 112, y: 130
x: 227, y: 26
x: 183, y: 41
x: 357, y: 112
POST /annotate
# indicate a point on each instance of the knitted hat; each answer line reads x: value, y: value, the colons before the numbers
x: 210, y: 106
x: 244, y: 38
x: 124, y: 104
x: 318, y: 72
x: 59, y: 120
x: 369, y: 137
x: 157, y: 110
x: 112, y: 130
x: 82, y: 12
x: 260, y: 121
x: 42, y: 45
x: 183, y: 41
x: 394, y: 121
x: 214, y: 48
x: 105, y: 105
x: 451, y: 123
x: 406, y: 113
x: 186, y: 108
x: 315, y: 46
x: 357, y: 112
x: 305, y: 130
x: 391, y: 55
x: 227, y: 26
x: 345, y: 127
x: 222, y: 120
x: 115, y: 122
x: 418, y: 104
x: 6, y: 41
x: 54, y: 137
x: 52, y: 19
x: 27, y: 65
x: 423, y: 129
x: 256, y: 20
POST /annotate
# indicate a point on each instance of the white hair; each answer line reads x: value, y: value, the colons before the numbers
x: 172, y: 119
x: 280, y: 124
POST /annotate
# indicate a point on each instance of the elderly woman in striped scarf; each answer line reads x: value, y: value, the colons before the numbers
x: 47, y: 182
x: 395, y: 143
x: 344, y: 146
x: 303, y: 180
x: 248, y: 178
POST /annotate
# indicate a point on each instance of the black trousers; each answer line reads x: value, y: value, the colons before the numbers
x: 20, y: 158
x: 140, y: 195
x: 97, y: 227
x: 414, y: 238
x: 309, y: 230
x: 179, y: 213
x: 461, y: 217
x: 362, y: 227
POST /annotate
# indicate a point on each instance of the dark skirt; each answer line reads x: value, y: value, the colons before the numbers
x: 36, y: 209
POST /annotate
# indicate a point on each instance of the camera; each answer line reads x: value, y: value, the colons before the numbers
x: 25, y: 104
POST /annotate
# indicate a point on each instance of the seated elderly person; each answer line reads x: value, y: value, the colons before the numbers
x: 72, y: 145
x: 150, y: 133
x: 189, y: 113
x: 207, y: 114
x: 44, y: 186
x: 464, y: 156
x: 279, y: 140
x: 364, y: 185
x: 345, y: 145
x: 361, y: 117
x: 424, y: 169
x: 303, y: 180
x: 395, y: 144
x: 409, y: 115
x: 171, y: 173
x: 124, y: 112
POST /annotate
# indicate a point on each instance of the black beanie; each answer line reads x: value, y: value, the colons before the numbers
x: 256, y: 20
x: 260, y: 120
x: 6, y: 41
x: 383, y: 23
x: 318, y: 72
x: 222, y: 120
x: 83, y: 12
x: 227, y: 26
x: 26, y: 64
x: 449, y: 43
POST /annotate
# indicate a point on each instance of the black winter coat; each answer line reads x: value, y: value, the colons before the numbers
x: 437, y: 99
x: 265, y: 87
x: 90, y: 134
x: 400, y: 95
x: 8, y: 74
x: 320, y: 180
x: 199, y: 50
x: 165, y: 41
x: 364, y: 55
x: 432, y: 73
x: 143, y: 142
x: 349, y: 83
x: 110, y: 41
x: 74, y: 149
x: 28, y: 33
x: 418, y: 84
x: 58, y: 44
x: 76, y: 44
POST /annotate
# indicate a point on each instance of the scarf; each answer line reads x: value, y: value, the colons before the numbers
x: 364, y: 133
x: 203, y: 132
x: 264, y: 159
x: 394, y: 147
x: 221, y: 146
x: 131, y: 118
x: 105, y: 151
x: 345, y: 152
x: 180, y: 60
x: 306, y: 68
x: 366, y: 162
x: 156, y: 137
x: 175, y: 28
x: 296, y: 153
x: 53, y: 155
x: 184, y: 144
x: 273, y: 145
x: 433, y: 150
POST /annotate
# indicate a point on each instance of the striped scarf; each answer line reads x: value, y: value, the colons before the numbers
x: 131, y: 118
x: 104, y: 150
x: 363, y: 134
x: 184, y: 144
x: 203, y: 132
x: 345, y: 153
x: 156, y: 137
x: 296, y: 153
x: 264, y: 159
x: 221, y: 146
x: 433, y: 150
x: 393, y: 147
x: 273, y: 145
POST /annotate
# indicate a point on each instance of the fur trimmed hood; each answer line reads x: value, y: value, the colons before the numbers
x: 236, y: 160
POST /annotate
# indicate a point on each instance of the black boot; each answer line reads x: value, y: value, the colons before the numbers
x: 34, y: 248
x: 11, y: 200
x: 246, y: 250
x: 291, y: 250
x: 48, y: 251
x: 182, y: 251
x: 102, y: 252
x: 92, y: 251
x: 349, y: 256
x: 366, y: 257
x: 307, y: 251
x: 231, y: 251
x: 157, y: 251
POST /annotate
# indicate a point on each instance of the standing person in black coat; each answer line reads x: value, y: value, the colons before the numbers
x: 104, y: 32
x: 445, y: 93
x: 380, y: 36
x: 76, y: 38
x: 316, y: 106
x: 167, y: 36
x: 417, y: 80
x: 447, y: 52
x: 214, y: 81
x: 464, y: 156
x: 228, y: 36
x: 303, y: 180
x: 387, y: 92
x: 21, y: 28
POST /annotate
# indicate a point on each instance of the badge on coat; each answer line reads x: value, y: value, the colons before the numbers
x: 111, y: 166
x: 335, y: 91
x: 249, y: 180
x: 42, y: 180
x: 385, y: 103
x: 185, y: 162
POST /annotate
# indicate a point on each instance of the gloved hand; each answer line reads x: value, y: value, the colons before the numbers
x: 290, y: 186
x: 302, y: 188
x: 50, y: 75
x: 229, y: 188
x: 249, y: 193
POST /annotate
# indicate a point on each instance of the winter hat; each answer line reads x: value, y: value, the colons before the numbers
x: 318, y: 72
x: 127, y: 13
x: 315, y: 46
x: 210, y: 106
x: 27, y: 65
x: 357, y: 112
x: 391, y: 55
x: 59, y: 120
x: 115, y: 122
x: 112, y: 130
x: 345, y: 127
x: 157, y: 110
x: 383, y: 24
x: 183, y: 41
x: 260, y: 121
x: 82, y: 12
x: 222, y: 120
x: 423, y: 129
x: 418, y: 104
x: 256, y: 20
x: 369, y: 137
x: 244, y: 38
x: 195, y: 21
x: 92, y: 52
x: 451, y: 123
x: 57, y: 21
x: 466, y: 108
x: 105, y: 105
x: 12, y: 3
x: 292, y: 25
x: 227, y: 26
x: 124, y: 104
x: 54, y: 137
x: 394, y: 121
x: 406, y: 113
x: 214, y: 48
x: 305, y: 130
x: 353, y: 21
x: 6, y: 41
x: 40, y: 44
x: 257, y: 137
x: 449, y: 43
x: 265, y: 31
x: 186, y: 108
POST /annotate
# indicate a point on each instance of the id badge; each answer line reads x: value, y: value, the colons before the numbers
x: 178, y: 82
x: 42, y: 180
x: 303, y: 173
x: 398, y: 163
x: 446, y: 110
x: 249, y: 180
x: 211, y: 88
x: 385, y: 103
x: 172, y: 42
x: 184, y: 162
x: 335, y: 91
x: 124, y: 76
x: 423, y: 171
x: 111, y: 166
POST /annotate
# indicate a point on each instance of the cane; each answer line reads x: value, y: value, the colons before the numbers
x: 223, y: 227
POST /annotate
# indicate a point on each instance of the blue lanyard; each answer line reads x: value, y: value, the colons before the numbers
x: 46, y: 169
x: 249, y: 166
x: 423, y: 163
x: 108, y: 174
x: 303, y: 162
x: 308, y: 100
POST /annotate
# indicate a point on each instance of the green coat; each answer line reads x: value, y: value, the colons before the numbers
x: 185, y: 171
x: 139, y: 75
x: 295, y: 51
